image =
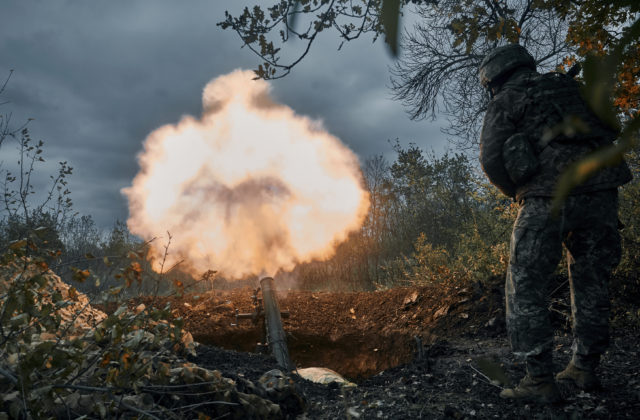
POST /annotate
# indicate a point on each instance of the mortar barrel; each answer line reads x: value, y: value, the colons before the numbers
x: 275, y: 333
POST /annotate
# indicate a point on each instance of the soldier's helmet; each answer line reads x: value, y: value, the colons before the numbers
x: 502, y: 60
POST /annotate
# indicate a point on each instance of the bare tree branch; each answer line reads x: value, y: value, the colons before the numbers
x: 350, y: 18
x: 438, y: 72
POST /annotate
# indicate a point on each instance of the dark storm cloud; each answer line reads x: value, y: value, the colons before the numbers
x: 348, y: 90
x: 99, y: 76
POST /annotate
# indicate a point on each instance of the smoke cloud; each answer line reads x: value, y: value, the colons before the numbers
x: 249, y: 188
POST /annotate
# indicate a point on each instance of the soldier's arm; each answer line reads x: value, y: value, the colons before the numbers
x: 497, y: 127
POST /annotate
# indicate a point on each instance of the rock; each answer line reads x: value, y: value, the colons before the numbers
x: 324, y: 376
x: 281, y: 389
x: 441, y: 312
x: 352, y: 412
x: 410, y: 299
x: 252, y: 406
x: 452, y: 412
x: 601, y: 410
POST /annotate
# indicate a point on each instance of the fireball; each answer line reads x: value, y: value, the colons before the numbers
x: 248, y: 188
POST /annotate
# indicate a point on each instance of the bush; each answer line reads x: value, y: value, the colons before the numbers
x: 53, y: 344
x: 627, y: 278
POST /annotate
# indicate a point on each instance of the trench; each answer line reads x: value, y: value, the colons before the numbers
x: 354, y: 356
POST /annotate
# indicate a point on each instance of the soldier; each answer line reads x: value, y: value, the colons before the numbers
x: 523, y: 151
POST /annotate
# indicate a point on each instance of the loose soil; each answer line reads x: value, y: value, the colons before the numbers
x: 420, y: 352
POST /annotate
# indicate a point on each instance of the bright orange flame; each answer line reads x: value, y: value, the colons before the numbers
x: 250, y: 188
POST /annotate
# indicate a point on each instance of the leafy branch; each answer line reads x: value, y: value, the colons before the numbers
x: 350, y: 18
x: 600, y: 75
x: 47, y: 357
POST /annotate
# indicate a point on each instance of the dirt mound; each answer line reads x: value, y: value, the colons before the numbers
x: 77, y: 315
x: 62, y: 358
x: 371, y: 338
x: 414, y: 352
x: 357, y: 334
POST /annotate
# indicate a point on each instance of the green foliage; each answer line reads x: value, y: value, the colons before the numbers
x: 627, y: 277
x: 390, y: 16
x: 431, y: 219
x: 610, y: 73
x: 28, y: 217
x: 478, y: 248
x: 433, y: 194
x: 54, y: 348
x: 75, y: 248
x: 430, y: 264
x: 481, y: 259
x: 59, y: 357
x: 437, y: 219
x: 450, y: 38
x: 14, y: 228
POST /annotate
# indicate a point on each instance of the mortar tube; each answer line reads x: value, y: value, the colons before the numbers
x: 275, y: 333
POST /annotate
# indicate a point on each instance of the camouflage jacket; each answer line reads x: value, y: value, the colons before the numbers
x: 512, y: 111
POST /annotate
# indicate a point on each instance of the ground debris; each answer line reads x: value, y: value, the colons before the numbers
x: 77, y: 361
x: 464, y: 364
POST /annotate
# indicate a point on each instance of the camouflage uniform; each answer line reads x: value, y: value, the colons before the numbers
x: 587, y: 224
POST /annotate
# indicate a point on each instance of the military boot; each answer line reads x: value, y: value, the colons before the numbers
x: 584, y: 379
x: 541, y: 389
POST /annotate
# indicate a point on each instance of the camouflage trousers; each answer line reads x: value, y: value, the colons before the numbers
x: 587, y: 226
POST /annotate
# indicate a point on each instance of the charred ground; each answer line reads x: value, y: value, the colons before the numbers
x: 414, y: 352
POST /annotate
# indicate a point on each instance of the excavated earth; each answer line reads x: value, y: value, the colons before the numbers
x: 437, y: 351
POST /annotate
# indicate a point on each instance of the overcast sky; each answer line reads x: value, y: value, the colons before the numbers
x: 98, y: 76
